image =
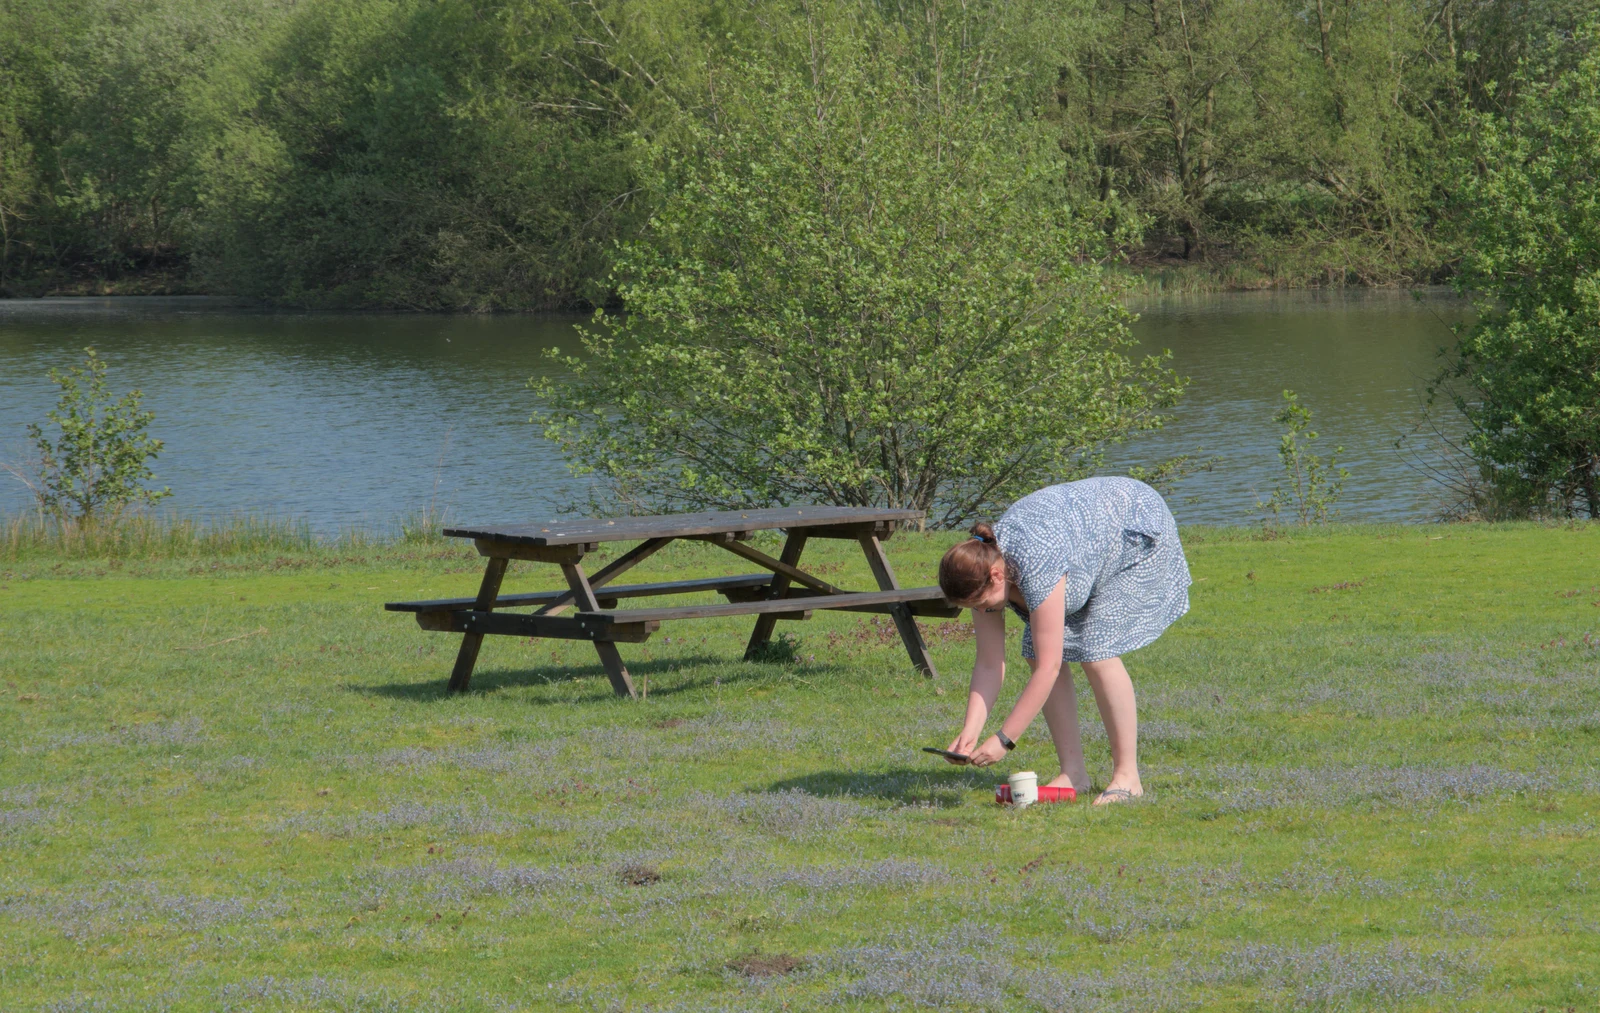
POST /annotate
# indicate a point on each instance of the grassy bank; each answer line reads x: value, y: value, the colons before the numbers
x: 1247, y: 271
x: 146, y: 537
x: 232, y: 782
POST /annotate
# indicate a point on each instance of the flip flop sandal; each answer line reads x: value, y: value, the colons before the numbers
x: 1118, y: 795
x: 1002, y: 794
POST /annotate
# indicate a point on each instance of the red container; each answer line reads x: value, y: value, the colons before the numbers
x: 1002, y: 794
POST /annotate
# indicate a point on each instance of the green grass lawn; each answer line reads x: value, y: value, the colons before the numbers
x: 1372, y: 758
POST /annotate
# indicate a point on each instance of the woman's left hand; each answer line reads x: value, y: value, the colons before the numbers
x: 990, y: 752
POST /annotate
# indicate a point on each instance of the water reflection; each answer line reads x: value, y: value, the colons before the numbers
x: 1360, y: 360
x: 357, y: 418
x: 341, y: 419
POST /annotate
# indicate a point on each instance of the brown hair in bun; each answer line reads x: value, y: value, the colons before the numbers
x: 966, y: 567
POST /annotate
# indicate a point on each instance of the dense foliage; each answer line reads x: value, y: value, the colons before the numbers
x: 489, y: 153
x: 400, y: 153
x: 1529, y: 369
x: 865, y: 285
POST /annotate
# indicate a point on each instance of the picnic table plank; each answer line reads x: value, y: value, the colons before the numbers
x: 933, y: 608
x: 517, y: 624
x: 743, y: 581
x: 579, y: 530
x: 797, y: 604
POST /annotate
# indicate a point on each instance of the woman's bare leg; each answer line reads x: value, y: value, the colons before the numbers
x: 1113, y: 694
x: 1061, y: 714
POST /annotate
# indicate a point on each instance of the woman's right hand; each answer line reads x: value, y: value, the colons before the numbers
x: 964, y: 744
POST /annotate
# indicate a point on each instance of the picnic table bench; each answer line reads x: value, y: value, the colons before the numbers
x: 783, y: 591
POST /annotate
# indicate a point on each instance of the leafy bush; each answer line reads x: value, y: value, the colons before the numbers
x: 858, y: 289
x: 1527, y: 373
x: 97, y: 465
x: 1310, y: 485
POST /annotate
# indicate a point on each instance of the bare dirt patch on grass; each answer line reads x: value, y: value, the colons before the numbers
x: 765, y: 965
x: 639, y: 875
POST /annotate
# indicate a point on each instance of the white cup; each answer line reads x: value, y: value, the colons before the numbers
x: 1024, y: 788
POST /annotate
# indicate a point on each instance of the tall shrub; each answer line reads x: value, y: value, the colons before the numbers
x: 1310, y: 485
x: 98, y: 461
x: 1528, y: 371
x: 865, y: 283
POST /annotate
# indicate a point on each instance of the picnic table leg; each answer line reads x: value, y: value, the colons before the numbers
x: 904, y: 621
x: 467, y: 657
x: 627, y: 561
x: 792, y: 547
x: 610, y: 657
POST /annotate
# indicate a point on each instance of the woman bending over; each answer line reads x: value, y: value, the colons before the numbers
x: 1094, y: 569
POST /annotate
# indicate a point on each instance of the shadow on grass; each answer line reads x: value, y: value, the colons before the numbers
x: 667, y: 677
x: 946, y: 787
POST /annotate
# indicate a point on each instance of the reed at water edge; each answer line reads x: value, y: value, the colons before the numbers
x: 143, y: 535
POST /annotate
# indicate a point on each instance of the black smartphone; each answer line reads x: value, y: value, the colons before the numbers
x: 947, y: 754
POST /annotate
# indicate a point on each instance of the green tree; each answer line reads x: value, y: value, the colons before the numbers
x: 863, y: 284
x: 485, y: 154
x: 1310, y: 486
x: 95, y: 103
x: 1161, y: 99
x: 1526, y: 376
x: 1305, y: 136
x: 467, y: 154
x: 97, y: 464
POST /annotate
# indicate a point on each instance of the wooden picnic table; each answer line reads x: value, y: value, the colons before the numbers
x: 783, y: 591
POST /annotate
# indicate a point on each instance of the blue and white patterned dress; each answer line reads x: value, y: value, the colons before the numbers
x: 1116, y: 543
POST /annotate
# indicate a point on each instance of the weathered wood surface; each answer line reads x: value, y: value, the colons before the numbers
x: 467, y: 656
x: 793, y: 546
x: 777, y: 566
x: 741, y: 582
x: 513, y: 624
x: 909, y: 634
x: 930, y: 608
x: 836, y: 522
x: 561, y: 554
x: 583, y: 597
x: 616, y: 568
x: 847, y: 601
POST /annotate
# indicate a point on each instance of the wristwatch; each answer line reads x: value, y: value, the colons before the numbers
x: 1005, y: 741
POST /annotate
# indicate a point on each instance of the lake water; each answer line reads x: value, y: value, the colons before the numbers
x: 357, y: 419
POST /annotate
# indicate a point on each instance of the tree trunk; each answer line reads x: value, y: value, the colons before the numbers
x: 1325, y: 27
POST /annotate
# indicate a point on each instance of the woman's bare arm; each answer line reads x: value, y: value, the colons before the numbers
x: 988, y: 672
x: 1048, y: 623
